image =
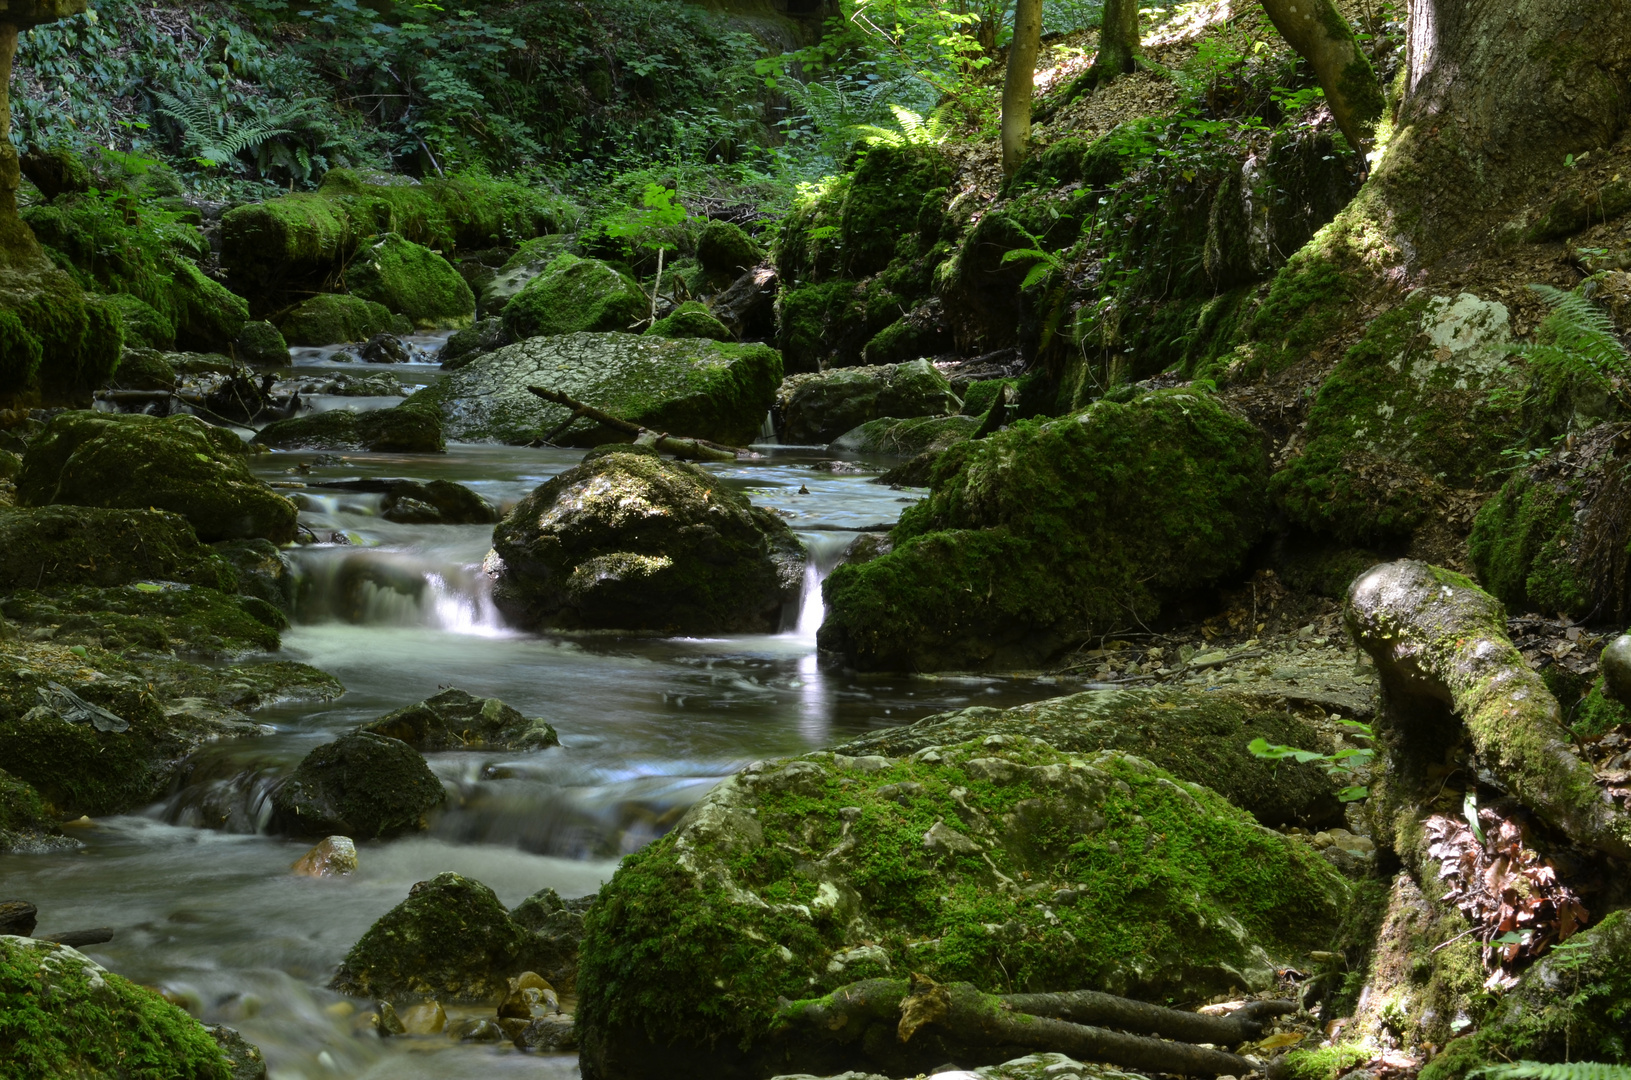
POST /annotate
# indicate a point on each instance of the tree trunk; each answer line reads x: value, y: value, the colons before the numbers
x: 1016, y: 87
x: 15, y: 237
x: 1118, y: 41
x: 1322, y: 36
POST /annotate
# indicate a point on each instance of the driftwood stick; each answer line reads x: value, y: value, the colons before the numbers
x: 78, y: 939
x: 1125, y: 1014
x: 695, y: 449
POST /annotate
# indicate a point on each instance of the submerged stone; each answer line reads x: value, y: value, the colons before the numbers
x: 1014, y: 866
x: 687, y: 387
x: 629, y: 541
x: 178, y: 464
x: 455, y: 720
x: 363, y: 785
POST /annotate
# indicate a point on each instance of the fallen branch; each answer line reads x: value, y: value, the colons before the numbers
x: 960, y: 1015
x: 1106, y: 1010
x: 692, y: 449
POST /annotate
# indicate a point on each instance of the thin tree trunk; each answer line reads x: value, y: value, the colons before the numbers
x: 1017, y: 86
x: 1118, y: 41
x: 1322, y: 36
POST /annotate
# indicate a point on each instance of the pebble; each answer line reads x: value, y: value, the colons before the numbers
x: 426, y: 1019
x: 334, y: 856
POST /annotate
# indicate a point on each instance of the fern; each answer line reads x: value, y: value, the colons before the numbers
x: 215, y: 137
x: 1567, y: 1070
x: 1577, y: 340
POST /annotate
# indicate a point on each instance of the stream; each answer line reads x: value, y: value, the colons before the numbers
x: 213, y: 916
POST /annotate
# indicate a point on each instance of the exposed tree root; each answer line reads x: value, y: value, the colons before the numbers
x: 961, y: 1014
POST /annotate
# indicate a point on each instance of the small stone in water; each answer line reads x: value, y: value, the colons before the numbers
x: 426, y: 1019
x: 386, y: 1021
x: 334, y: 856
x: 549, y: 1033
x: 476, y: 1030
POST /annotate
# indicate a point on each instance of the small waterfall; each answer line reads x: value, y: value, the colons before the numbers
x: 767, y: 430
x: 374, y: 587
x: 825, y: 551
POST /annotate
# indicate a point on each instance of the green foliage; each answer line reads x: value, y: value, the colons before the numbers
x: 1343, y: 765
x: 1576, y: 343
x: 1560, y: 1070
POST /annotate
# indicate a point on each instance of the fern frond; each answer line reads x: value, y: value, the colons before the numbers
x: 1567, y: 1070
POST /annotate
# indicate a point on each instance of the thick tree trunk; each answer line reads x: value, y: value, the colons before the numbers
x: 1118, y: 41
x: 1322, y: 36
x: 1017, y: 85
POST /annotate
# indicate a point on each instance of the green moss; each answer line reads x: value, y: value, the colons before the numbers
x: 330, y: 319
x: 20, y: 353
x: 144, y: 325
x: 361, y: 785
x: 810, y: 317
x: 77, y: 545
x: 1309, y: 301
x: 1596, y: 713
x: 691, y: 319
x: 1040, y: 535
x: 906, y: 438
x: 61, y: 1015
x: 178, y: 464
x: 261, y: 344
x: 1068, y: 873
x: 145, y: 369
x: 399, y: 429
x: 888, y: 188
x: 1326, y: 1062
x: 58, y: 343
x: 148, y: 615
x: 1521, y: 544
x: 25, y: 819
x: 1094, y: 163
x: 724, y: 249
x: 209, y: 317
x: 413, y: 281
x: 574, y: 295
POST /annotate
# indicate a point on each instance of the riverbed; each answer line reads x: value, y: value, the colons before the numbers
x: 213, y: 916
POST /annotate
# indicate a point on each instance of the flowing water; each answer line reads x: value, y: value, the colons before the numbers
x: 202, y: 901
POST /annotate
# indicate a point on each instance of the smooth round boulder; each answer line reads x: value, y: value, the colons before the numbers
x: 573, y: 295
x: 1616, y: 667
x: 413, y: 281
x: 455, y: 720
x: 817, y: 408
x: 629, y: 541
x: 361, y: 785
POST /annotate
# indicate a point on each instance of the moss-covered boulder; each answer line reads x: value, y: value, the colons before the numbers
x: 484, y: 337
x: 529, y: 260
x: 263, y: 571
x: 261, y: 344
x: 62, y: 1014
x: 57, y: 342
x: 1000, y: 862
x: 81, y: 545
x: 145, y: 369
x: 82, y: 761
x: 178, y: 464
x: 691, y: 319
x: 450, y: 940
x: 906, y: 438
x: 700, y: 389
x: 455, y: 720
x: 331, y: 319
x: 145, y: 327
x: 629, y: 541
x: 160, y: 616
x: 361, y: 785
x: 1038, y: 536
x: 575, y: 295
x: 725, y: 250
x: 1408, y: 414
x: 399, y: 430
x: 819, y: 407
x: 413, y: 281
x: 28, y: 825
x: 1197, y: 737
x: 438, y: 502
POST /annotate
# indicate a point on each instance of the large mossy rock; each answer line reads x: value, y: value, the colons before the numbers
x: 1412, y: 411
x: 361, y: 785
x: 81, y: 545
x: 698, y: 389
x: 158, y: 616
x: 455, y: 720
x: 1038, y: 536
x: 178, y: 464
x: 57, y: 342
x: 1199, y: 737
x: 62, y: 1015
x: 906, y: 438
x: 574, y: 295
x: 331, y: 319
x: 451, y: 940
x: 1001, y: 862
x: 412, y: 281
x: 629, y: 541
x: 725, y: 250
x: 82, y: 761
x: 394, y: 430
x: 818, y: 408
x: 691, y: 319
x: 271, y: 246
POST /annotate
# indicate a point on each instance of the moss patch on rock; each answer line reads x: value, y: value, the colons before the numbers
x: 1043, y: 534
x: 691, y: 319
x: 1015, y: 867
x: 906, y: 438
x: 413, y: 281
x: 153, y: 615
x: 178, y: 464
x: 455, y: 720
x: 688, y: 387
x: 28, y: 825
x: 80, y: 545
x: 574, y: 295
x: 629, y: 541
x: 61, y: 1015
x: 817, y: 408
x: 332, y: 319
x: 261, y: 344
x: 398, y: 429
x: 361, y: 785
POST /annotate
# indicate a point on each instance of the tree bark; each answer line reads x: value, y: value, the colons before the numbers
x: 1018, y: 83
x: 1118, y: 42
x: 1322, y: 36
